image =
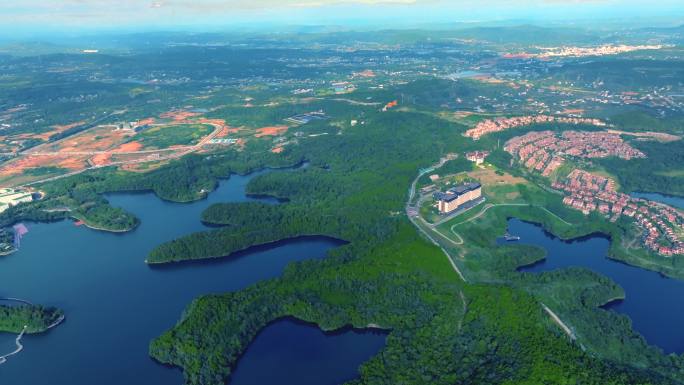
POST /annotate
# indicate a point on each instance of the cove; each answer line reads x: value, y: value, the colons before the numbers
x: 115, y: 303
x: 275, y: 356
x: 653, y: 302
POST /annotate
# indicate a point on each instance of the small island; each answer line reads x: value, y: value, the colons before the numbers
x: 30, y: 319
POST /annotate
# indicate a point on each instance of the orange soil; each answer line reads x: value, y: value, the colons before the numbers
x: 146, y: 121
x: 271, y: 131
x: 28, y: 162
x: 223, y: 133
x: 86, y: 141
x: 101, y: 159
x: 391, y: 104
x: 277, y: 149
x: 105, y: 159
x: 129, y: 147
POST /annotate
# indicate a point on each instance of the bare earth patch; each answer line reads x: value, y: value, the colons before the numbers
x: 490, y: 177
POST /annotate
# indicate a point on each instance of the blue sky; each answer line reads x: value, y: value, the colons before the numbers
x: 210, y: 14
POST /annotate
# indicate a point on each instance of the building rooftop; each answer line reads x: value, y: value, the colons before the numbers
x: 455, y: 192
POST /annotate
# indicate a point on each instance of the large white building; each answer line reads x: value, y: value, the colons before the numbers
x: 11, y: 197
x: 458, y: 196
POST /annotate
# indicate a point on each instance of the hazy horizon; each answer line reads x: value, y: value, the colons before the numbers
x: 40, y: 17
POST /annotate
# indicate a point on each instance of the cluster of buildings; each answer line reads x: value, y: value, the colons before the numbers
x: 308, y: 117
x: 131, y: 126
x: 663, y: 225
x: 501, y: 124
x: 11, y: 197
x: 343, y: 87
x: 573, y: 51
x: 543, y: 151
x: 603, y: 50
x: 477, y: 157
x: 458, y: 197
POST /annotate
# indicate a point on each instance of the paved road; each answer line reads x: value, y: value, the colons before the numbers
x: 414, y: 214
x: 560, y: 322
x: 18, y: 350
x: 457, y: 213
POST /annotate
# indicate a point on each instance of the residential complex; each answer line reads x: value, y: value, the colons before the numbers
x: 477, y: 157
x: 545, y: 151
x: 501, y: 124
x: 663, y: 225
x: 603, y: 50
x: 457, y: 197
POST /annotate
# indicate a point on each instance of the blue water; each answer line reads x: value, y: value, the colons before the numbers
x: 115, y: 303
x: 275, y: 356
x: 662, y: 198
x: 653, y: 302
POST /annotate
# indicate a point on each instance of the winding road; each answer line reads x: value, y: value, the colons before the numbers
x: 19, y: 348
x: 414, y: 215
x: 413, y: 212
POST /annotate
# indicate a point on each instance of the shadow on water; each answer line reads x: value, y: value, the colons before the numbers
x: 654, y: 303
x: 115, y: 304
x: 250, y: 251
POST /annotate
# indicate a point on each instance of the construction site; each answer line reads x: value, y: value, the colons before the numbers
x: 132, y: 146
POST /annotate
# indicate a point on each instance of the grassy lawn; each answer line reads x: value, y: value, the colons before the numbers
x: 176, y: 135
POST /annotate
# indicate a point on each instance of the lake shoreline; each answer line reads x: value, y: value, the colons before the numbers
x: 251, y: 249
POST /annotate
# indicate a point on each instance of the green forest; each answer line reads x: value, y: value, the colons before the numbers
x: 441, y: 330
x: 36, y: 318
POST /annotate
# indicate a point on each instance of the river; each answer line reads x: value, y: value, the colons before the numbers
x: 654, y: 303
x: 115, y: 303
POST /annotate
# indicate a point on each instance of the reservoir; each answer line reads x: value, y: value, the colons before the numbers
x: 115, y: 303
x: 654, y: 303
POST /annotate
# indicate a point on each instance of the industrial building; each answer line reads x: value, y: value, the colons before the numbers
x: 457, y: 197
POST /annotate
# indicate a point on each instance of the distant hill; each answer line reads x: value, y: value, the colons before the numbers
x: 530, y: 34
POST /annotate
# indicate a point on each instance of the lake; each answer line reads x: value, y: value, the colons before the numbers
x: 276, y: 354
x: 662, y: 198
x: 115, y: 303
x: 653, y: 302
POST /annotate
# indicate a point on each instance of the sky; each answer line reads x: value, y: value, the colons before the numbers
x: 20, y: 15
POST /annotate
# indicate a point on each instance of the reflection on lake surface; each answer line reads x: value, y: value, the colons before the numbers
x: 653, y: 302
x: 115, y: 304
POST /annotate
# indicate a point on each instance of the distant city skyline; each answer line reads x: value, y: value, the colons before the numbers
x: 71, y: 15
